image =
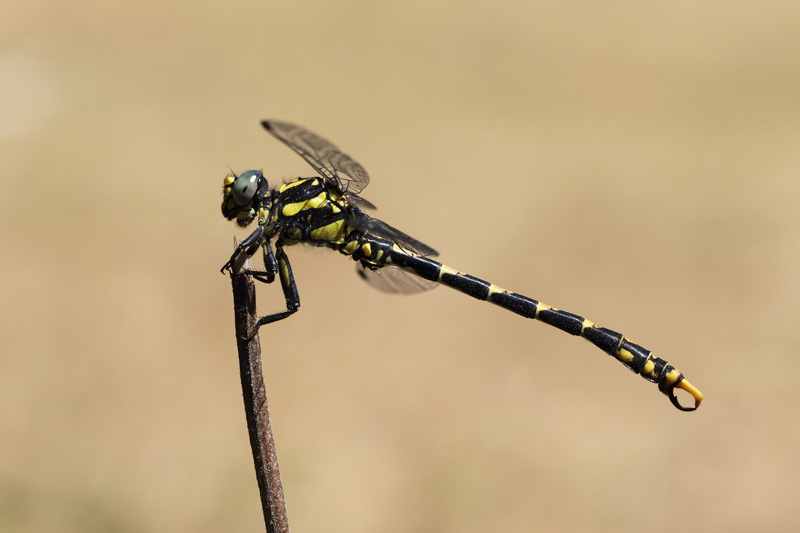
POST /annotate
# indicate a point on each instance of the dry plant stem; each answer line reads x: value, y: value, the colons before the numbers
x: 255, y: 406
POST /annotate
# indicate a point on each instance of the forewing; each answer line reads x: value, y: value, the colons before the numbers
x: 322, y: 155
x: 395, y: 280
x: 380, y: 229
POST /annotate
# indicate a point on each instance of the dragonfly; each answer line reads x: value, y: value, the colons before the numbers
x: 326, y: 210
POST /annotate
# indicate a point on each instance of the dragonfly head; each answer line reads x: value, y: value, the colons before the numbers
x: 243, y: 195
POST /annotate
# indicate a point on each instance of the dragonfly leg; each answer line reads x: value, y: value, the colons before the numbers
x: 270, y: 266
x: 247, y: 246
x: 289, y: 291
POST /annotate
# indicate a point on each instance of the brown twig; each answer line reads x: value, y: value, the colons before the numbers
x: 255, y: 403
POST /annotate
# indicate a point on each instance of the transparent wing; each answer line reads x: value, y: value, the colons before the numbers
x: 363, y: 203
x: 322, y: 155
x: 394, y: 280
x: 380, y: 229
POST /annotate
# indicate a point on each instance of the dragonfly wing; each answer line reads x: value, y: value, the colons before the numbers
x: 383, y: 230
x: 323, y: 156
x: 394, y: 280
x: 360, y: 202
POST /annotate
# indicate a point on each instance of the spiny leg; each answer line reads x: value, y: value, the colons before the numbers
x: 270, y: 266
x: 289, y: 291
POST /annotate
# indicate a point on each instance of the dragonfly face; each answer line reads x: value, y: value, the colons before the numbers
x: 244, y: 195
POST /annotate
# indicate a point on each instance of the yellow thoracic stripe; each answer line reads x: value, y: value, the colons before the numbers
x: 292, y: 209
x: 312, y: 203
x: 332, y: 232
x: 316, y: 202
x: 291, y: 184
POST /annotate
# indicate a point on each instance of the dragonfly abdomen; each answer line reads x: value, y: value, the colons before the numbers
x: 636, y: 358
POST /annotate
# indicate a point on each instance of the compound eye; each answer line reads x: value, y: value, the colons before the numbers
x: 245, y: 187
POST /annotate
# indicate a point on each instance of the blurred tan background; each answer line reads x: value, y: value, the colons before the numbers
x: 633, y: 163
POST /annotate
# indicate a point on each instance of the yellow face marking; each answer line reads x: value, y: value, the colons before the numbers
x: 367, y: 249
x: 228, y: 181
x: 227, y: 191
x: 332, y: 232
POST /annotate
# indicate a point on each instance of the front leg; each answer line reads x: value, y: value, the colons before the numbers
x: 289, y: 292
x: 247, y: 246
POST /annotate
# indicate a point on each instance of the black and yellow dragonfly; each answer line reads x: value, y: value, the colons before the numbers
x: 326, y: 210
